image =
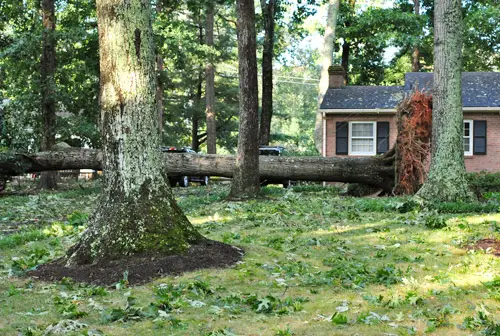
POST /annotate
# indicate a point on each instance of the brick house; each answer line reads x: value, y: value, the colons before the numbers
x: 361, y: 120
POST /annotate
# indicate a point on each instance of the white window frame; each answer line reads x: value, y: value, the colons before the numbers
x: 374, y: 138
x: 471, y: 137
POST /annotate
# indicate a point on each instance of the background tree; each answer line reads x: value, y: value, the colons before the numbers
x: 160, y: 79
x: 326, y: 60
x: 447, y: 181
x: 181, y: 30
x: 415, y: 57
x: 268, y: 13
x: 137, y: 212
x: 48, y: 87
x: 287, y: 18
x: 365, y: 36
x: 210, y: 83
x: 76, y: 76
x: 246, y: 183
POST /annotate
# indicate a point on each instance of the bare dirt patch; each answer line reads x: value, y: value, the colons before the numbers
x: 488, y: 244
x: 143, y: 268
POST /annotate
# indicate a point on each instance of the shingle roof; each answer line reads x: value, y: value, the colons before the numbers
x: 363, y: 97
x: 479, y: 89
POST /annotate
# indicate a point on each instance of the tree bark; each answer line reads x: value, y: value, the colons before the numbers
x: 376, y: 171
x: 210, y: 84
x: 415, y: 57
x: 447, y: 181
x: 268, y: 10
x: 326, y: 60
x: 48, y: 87
x: 246, y: 182
x: 137, y: 212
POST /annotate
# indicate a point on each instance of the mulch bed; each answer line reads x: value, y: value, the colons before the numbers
x: 484, y: 244
x: 144, y: 268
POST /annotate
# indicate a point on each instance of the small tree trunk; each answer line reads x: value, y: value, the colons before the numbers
x: 210, y: 85
x: 195, y: 143
x: 48, y: 87
x: 195, y: 118
x: 447, y: 181
x: 159, y: 84
x: 246, y: 182
x: 326, y: 61
x: 346, y: 51
x: 137, y: 212
x: 415, y: 64
x: 268, y: 10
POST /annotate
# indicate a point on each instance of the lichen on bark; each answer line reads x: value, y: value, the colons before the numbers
x: 447, y: 180
x: 137, y: 212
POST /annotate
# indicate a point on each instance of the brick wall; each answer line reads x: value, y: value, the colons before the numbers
x: 474, y: 163
x: 490, y: 161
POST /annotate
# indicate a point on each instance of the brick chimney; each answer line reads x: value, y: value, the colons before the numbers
x: 337, y: 76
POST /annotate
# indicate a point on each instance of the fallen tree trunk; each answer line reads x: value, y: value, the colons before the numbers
x: 375, y: 171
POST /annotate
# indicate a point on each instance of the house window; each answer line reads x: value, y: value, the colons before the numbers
x: 468, y: 131
x: 362, y: 136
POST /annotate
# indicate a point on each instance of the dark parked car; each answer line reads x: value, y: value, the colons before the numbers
x: 277, y: 151
x: 184, y: 180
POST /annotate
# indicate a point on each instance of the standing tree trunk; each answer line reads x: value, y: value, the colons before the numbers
x: 246, y: 182
x: 326, y: 61
x: 48, y: 87
x: 346, y: 51
x: 195, y: 118
x: 447, y: 181
x: 137, y: 212
x: 159, y: 84
x: 415, y: 57
x: 210, y: 84
x: 268, y: 10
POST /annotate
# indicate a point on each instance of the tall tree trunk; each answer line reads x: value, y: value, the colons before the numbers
x: 268, y: 10
x: 48, y: 87
x: 246, y: 182
x: 446, y: 181
x: 326, y: 61
x: 415, y: 56
x: 159, y: 84
x: 137, y: 212
x: 210, y: 84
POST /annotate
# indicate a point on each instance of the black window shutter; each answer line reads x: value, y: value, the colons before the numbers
x: 382, y: 137
x: 342, y: 138
x: 479, y: 137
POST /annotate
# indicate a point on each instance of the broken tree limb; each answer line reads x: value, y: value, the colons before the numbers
x: 375, y: 171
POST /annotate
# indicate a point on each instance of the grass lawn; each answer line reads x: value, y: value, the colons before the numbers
x: 315, y: 264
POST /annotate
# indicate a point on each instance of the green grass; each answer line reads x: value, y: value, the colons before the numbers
x: 315, y: 264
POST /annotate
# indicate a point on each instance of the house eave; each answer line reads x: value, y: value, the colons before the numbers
x: 482, y: 109
x: 393, y: 110
x: 350, y: 111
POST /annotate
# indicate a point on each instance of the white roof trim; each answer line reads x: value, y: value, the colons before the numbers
x: 481, y: 109
x: 393, y: 110
x: 349, y: 111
